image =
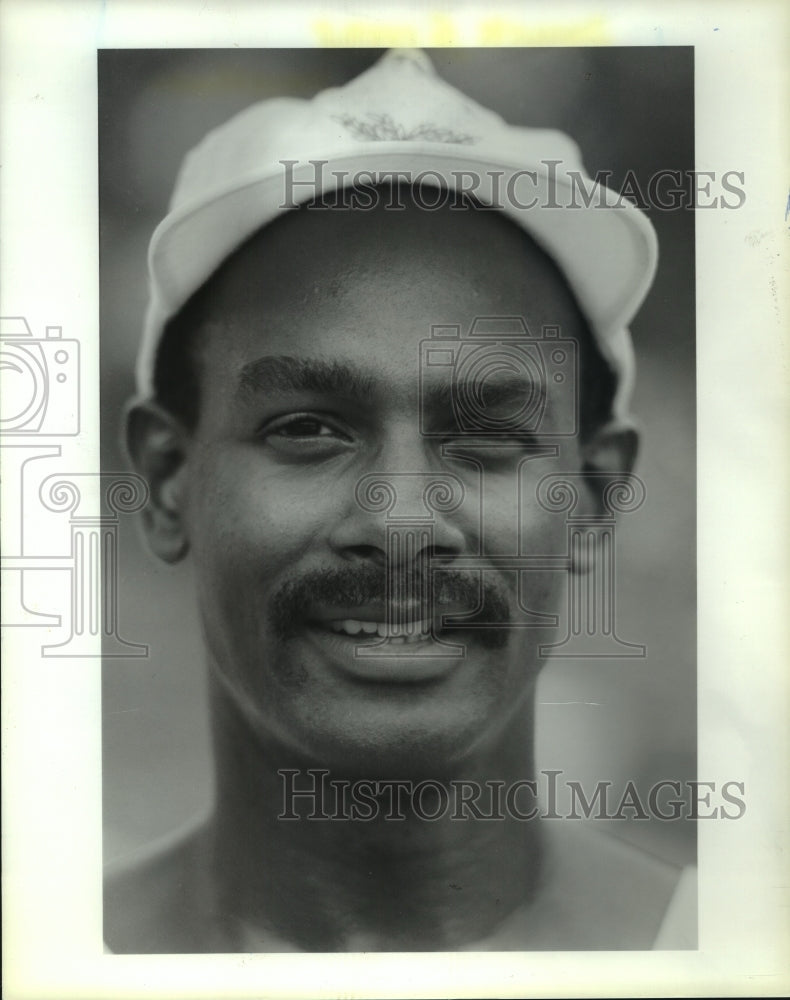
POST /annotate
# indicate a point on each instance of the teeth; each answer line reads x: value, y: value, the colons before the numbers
x: 418, y: 631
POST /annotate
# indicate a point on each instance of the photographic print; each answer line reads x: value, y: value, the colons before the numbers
x: 392, y: 424
x: 410, y: 586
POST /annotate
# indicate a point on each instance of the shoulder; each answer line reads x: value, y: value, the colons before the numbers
x: 678, y: 929
x: 599, y: 893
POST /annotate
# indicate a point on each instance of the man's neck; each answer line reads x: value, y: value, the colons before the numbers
x: 358, y: 867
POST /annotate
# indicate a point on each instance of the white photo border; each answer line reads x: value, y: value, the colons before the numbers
x: 51, y: 706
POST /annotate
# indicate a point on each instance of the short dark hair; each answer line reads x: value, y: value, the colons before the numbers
x: 177, y: 366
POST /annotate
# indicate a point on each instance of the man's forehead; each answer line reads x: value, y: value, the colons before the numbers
x: 429, y: 267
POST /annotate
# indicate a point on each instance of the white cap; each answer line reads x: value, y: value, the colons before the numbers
x: 399, y: 117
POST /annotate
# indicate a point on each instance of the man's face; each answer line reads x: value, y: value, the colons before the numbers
x: 310, y: 376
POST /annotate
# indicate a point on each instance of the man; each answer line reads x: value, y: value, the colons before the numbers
x: 381, y: 332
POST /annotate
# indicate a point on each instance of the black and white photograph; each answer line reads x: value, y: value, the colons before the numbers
x: 414, y: 415
x: 393, y: 436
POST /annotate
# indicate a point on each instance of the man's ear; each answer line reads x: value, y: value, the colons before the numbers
x: 611, y: 450
x: 609, y: 455
x: 157, y: 445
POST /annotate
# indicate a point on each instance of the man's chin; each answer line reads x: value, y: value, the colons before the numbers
x: 430, y: 746
x: 365, y: 705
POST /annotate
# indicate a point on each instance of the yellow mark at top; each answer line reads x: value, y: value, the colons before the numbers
x: 436, y: 30
x: 506, y: 31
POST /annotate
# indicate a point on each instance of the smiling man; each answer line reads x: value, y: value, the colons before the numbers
x: 378, y: 327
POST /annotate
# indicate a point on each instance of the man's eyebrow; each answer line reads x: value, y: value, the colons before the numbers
x: 489, y: 393
x: 283, y: 373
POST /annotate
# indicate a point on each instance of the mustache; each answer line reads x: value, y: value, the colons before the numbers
x: 357, y: 586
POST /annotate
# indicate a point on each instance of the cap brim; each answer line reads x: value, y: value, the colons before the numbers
x: 606, y: 248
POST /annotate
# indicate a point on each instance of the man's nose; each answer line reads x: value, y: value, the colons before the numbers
x: 399, y: 517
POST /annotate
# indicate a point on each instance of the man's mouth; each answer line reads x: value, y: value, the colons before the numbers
x: 414, y: 642
x: 364, y: 626
x: 408, y: 632
x: 377, y: 642
x: 405, y: 623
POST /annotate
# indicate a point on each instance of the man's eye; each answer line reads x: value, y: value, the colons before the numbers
x: 303, y: 427
x: 304, y: 431
x: 502, y: 452
x: 496, y: 443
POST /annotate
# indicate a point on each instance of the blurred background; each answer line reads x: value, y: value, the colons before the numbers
x: 631, y: 111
